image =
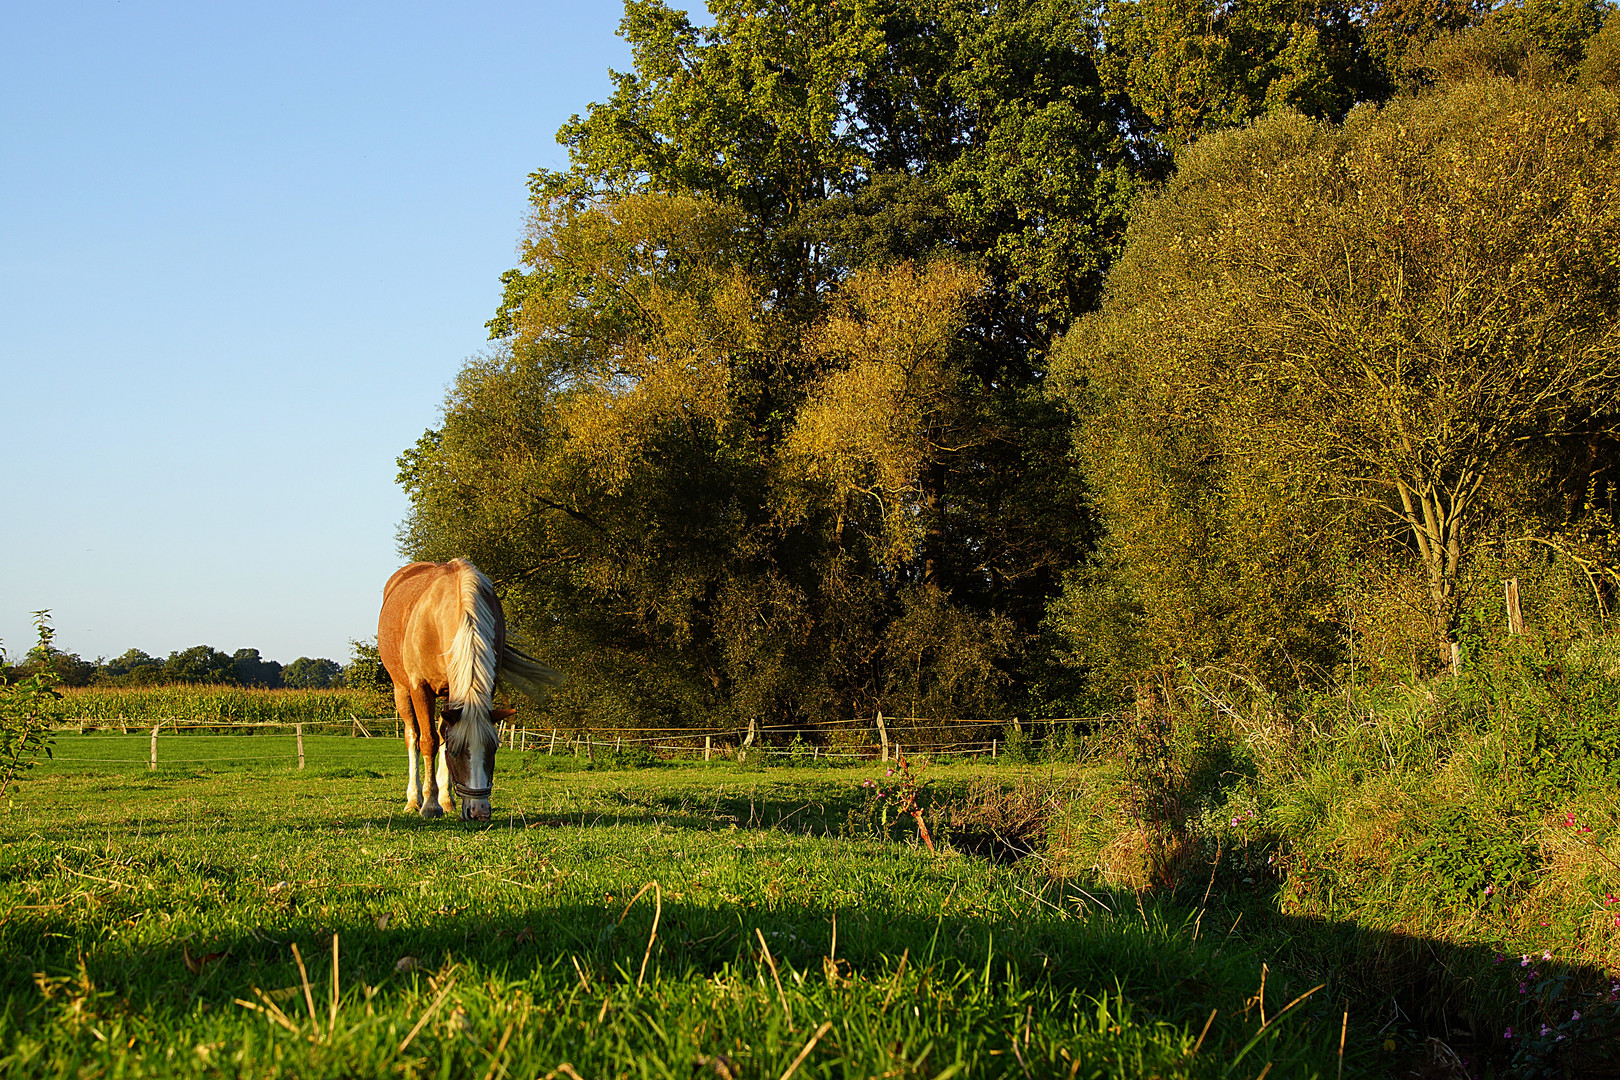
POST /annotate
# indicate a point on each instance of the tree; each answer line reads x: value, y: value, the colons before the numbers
x: 252, y: 670
x: 637, y: 461
x: 132, y: 668
x: 199, y: 664
x: 1541, y: 41
x: 1404, y: 307
x: 1188, y: 67
x: 308, y: 673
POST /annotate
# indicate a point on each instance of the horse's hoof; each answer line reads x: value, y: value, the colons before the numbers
x: 413, y: 805
x: 431, y: 810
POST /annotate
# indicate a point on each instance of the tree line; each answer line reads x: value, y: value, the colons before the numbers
x: 959, y: 359
x: 198, y: 665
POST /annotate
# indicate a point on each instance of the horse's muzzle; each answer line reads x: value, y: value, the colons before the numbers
x: 474, y: 802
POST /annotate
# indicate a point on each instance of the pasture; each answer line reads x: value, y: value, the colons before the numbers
x: 240, y: 917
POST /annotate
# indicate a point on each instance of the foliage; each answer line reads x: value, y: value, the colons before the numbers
x: 1193, y: 66
x: 1540, y: 41
x: 312, y: 674
x: 1370, y: 324
x: 253, y: 670
x: 1467, y: 858
x: 27, y: 707
x: 766, y: 393
x: 199, y: 664
x: 1019, y: 747
x: 133, y: 668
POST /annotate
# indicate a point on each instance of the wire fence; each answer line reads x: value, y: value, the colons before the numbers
x: 879, y: 738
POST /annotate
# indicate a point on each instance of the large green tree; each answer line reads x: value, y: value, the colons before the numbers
x: 675, y: 458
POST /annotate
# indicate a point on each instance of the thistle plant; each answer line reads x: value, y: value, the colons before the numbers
x: 899, y: 790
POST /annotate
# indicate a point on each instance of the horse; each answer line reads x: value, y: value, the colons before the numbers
x: 442, y: 634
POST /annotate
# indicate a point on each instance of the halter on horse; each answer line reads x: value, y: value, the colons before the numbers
x: 442, y: 634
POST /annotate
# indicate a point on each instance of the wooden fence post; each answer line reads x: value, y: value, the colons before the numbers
x: 883, y: 735
x: 552, y: 749
x: 152, y: 762
x: 708, y: 747
x: 299, y: 730
x: 992, y: 748
x: 590, y: 748
x: 1515, y: 616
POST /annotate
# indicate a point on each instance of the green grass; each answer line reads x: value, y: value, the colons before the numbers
x: 114, y: 752
x: 111, y: 875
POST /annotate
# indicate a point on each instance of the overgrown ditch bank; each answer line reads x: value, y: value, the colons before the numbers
x: 1446, y: 855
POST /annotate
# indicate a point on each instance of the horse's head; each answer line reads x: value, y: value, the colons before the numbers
x: 469, y: 754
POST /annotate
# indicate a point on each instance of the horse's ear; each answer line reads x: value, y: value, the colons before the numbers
x: 498, y: 715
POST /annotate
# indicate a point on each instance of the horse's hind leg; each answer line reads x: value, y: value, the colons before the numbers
x: 407, y: 719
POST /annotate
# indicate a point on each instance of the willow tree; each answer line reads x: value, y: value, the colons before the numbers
x: 1388, y: 315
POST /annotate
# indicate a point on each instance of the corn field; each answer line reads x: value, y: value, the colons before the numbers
x: 212, y: 704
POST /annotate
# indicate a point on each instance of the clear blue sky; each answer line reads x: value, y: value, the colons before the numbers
x: 244, y: 247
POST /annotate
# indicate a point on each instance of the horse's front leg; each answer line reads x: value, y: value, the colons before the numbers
x: 447, y: 798
x: 428, y: 744
x: 407, y: 718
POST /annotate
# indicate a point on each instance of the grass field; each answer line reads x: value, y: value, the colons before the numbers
x: 658, y: 922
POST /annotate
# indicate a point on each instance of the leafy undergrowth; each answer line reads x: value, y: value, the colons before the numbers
x: 148, y: 925
x: 1448, y: 854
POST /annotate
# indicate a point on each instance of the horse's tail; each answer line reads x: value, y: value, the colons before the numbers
x: 527, y: 675
x: 473, y: 662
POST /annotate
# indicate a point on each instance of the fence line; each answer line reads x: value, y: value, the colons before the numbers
x: 738, y: 742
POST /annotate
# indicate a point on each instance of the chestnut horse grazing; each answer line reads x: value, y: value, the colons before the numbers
x: 442, y: 634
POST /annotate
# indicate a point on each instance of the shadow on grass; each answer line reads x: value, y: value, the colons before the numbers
x: 1445, y: 1008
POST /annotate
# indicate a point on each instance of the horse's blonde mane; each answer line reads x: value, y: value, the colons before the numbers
x: 472, y: 662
